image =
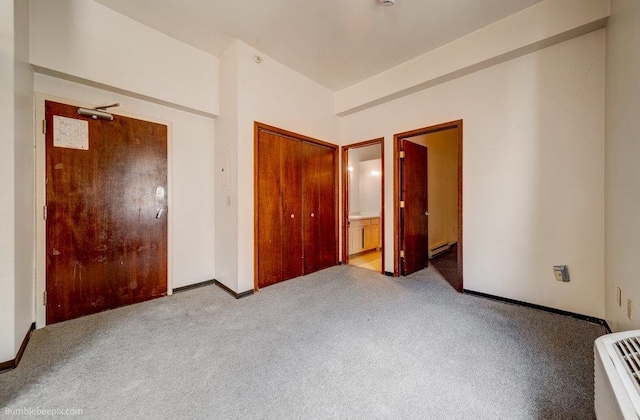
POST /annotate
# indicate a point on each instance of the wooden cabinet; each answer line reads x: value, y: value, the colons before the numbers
x: 357, y: 236
x: 295, y: 190
x: 364, y: 235
x: 375, y: 234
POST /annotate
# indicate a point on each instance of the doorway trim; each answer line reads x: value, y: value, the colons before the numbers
x: 40, y: 197
x: 345, y: 196
x: 397, y: 139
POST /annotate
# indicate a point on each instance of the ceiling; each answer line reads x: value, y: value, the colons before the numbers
x: 337, y: 43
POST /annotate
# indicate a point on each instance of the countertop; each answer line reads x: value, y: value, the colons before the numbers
x: 364, y: 216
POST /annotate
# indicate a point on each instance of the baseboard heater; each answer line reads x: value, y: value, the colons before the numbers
x: 617, y: 376
x: 438, y: 249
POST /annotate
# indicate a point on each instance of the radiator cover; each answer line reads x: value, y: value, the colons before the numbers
x: 617, y: 376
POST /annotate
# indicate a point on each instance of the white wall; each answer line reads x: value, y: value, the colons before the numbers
x: 354, y: 186
x: 84, y: 39
x: 370, y: 187
x: 533, y: 170
x: 226, y: 170
x: 355, y: 156
x: 89, y: 54
x: 16, y: 179
x: 272, y: 94
x: 24, y: 177
x: 539, y: 26
x: 7, y: 185
x: 191, y: 183
x: 622, y: 176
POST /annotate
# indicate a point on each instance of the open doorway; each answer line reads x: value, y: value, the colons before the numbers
x: 363, y: 199
x: 428, y: 201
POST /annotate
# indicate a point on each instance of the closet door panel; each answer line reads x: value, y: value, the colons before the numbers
x: 310, y: 203
x: 295, y: 193
x: 269, y: 221
x: 327, y: 219
x: 318, y: 207
x: 290, y: 183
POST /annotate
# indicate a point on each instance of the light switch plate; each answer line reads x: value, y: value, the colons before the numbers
x: 619, y: 296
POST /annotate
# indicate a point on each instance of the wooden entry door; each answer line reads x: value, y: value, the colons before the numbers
x: 414, y: 215
x: 106, y: 227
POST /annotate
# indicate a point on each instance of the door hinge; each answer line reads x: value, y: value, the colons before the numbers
x: 44, y: 298
x: 402, y: 254
x: 44, y: 212
x: 401, y: 154
x: 402, y: 204
x: 44, y: 126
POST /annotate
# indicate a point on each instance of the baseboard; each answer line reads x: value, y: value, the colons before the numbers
x: 231, y: 292
x: 587, y: 318
x: 193, y: 286
x: 12, y: 364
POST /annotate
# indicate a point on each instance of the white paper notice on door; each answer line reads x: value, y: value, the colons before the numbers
x: 70, y: 133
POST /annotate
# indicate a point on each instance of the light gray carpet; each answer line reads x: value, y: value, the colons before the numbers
x: 342, y: 343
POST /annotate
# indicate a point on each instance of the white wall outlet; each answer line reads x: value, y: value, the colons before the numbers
x: 629, y: 309
x: 558, y: 275
x: 561, y: 273
x: 619, y: 296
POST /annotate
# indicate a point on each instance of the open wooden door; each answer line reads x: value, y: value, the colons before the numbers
x: 106, y: 226
x: 414, y: 213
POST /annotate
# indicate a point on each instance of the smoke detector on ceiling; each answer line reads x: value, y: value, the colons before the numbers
x: 388, y: 2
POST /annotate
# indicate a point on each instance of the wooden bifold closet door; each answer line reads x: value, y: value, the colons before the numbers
x: 295, y: 222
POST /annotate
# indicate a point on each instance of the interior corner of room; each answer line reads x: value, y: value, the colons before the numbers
x: 541, y: 174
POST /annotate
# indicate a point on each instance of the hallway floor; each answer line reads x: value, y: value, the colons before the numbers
x: 447, y: 265
x: 371, y: 260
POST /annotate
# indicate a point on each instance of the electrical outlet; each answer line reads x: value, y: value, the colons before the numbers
x: 619, y: 296
x: 561, y: 273
x: 558, y: 275
x: 629, y: 308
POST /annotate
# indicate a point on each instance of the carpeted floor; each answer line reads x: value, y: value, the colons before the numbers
x: 342, y: 343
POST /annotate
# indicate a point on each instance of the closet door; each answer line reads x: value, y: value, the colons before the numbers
x: 290, y: 185
x: 318, y: 201
x: 279, y: 221
x: 295, y: 205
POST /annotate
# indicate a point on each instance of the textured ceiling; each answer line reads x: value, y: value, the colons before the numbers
x: 337, y: 43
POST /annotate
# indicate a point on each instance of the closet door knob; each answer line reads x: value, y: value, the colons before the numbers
x: 292, y: 216
x: 313, y: 214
